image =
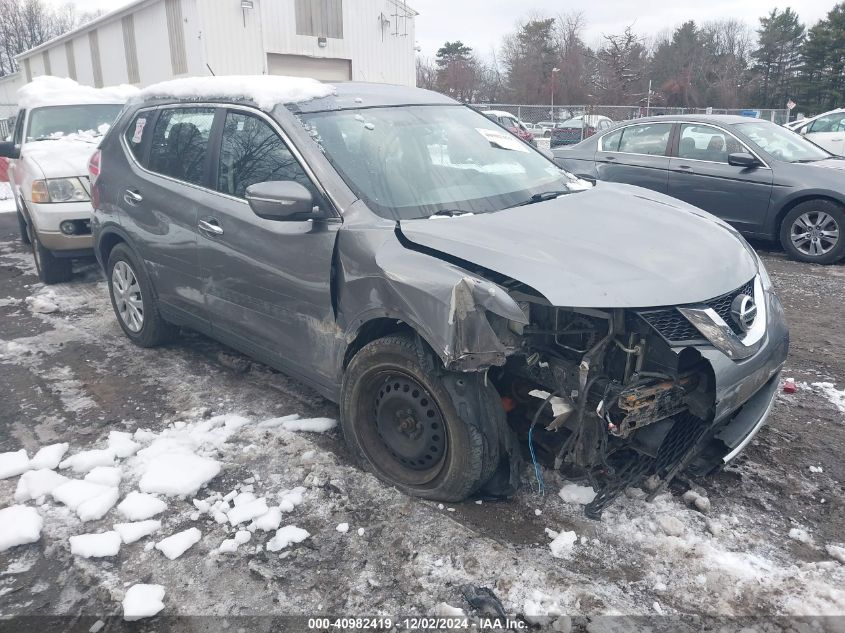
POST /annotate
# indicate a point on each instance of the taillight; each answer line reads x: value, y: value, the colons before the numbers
x: 94, y: 166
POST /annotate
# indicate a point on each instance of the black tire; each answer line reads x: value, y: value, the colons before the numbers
x: 22, y: 227
x: 152, y: 329
x: 394, y: 433
x: 799, y: 239
x: 51, y: 269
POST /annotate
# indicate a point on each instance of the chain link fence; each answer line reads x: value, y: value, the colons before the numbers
x: 541, y: 120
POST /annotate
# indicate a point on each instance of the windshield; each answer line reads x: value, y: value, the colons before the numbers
x: 415, y: 161
x: 58, y: 121
x: 781, y: 143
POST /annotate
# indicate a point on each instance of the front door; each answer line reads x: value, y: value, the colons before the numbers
x: 637, y: 155
x: 701, y: 176
x: 267, y: 282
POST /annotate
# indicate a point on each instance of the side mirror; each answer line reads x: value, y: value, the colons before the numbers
x: 742, y: 159
x: 9, y: 150
x: 280, y: 200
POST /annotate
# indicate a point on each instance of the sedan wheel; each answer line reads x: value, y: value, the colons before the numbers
x: 815, y: 233
x: 811, y: 232
x: 127, y: 296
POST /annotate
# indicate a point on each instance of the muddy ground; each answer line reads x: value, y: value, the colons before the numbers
x: 762, y: 549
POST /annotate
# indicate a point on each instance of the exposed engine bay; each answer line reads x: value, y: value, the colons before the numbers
x: 603, y: 396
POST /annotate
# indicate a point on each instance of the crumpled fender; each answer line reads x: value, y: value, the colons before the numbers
x: 448, y: 307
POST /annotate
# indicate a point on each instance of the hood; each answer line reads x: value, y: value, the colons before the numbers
x: 61, y: 158
x: 830, y: 163
x: 612, y: 246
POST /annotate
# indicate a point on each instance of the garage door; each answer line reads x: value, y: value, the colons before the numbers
x: 324, y: 68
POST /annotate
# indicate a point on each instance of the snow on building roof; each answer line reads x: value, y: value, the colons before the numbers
x: 48, y: 91
x: 264, y: 90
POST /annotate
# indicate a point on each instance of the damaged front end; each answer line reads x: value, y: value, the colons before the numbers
x: 614, y: 396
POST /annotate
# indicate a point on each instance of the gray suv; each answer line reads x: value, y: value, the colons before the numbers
x: 465, y: 302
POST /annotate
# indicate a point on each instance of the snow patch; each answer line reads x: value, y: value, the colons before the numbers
x: 573, y: 493
x: 19, y: 525
x: 88, y: 460
x: 312, y: 425
x: 142, y: 601
x: 834, y: 395
x: 49, y: 456
x: 176, y: 474
x: 105, y: 475
x: 95, y: 545
x: 13, y: 463
x: 90, y: 501
x: 265, y: 91
x: 37, y: 483
x: 131, y: 532
x: 286, y: 536
x: 47, y: 90
x: 563, y: 544
x: 138, y: 506
x: 177, y: 544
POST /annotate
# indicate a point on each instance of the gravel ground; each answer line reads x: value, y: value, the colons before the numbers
x: 765, y: 546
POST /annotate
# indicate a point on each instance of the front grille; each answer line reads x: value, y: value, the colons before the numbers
x: 675, y: 328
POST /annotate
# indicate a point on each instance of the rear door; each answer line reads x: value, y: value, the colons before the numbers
x: 267, y: 282
x: 636, y: 154
x: 160, y: 203
x: 829, y: 132
x: 700, y: 174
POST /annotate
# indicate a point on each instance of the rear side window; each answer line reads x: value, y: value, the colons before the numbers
x: 649, y: 138
x: 610, y: 142
x: 180, y: 143
x: 136, y: 133
x: 252, y: 152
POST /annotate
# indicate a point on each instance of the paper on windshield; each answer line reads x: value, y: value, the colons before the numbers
x: 502, y: 139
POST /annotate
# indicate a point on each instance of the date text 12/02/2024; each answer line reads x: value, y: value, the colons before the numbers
x: 416, y: 623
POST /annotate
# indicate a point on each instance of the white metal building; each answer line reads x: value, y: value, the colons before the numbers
x: 153, y: 40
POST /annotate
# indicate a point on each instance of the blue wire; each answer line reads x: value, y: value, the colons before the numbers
x: 538, y: 473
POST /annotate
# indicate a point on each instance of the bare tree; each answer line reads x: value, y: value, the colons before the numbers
x: 25, y: 24
x: 426, y: 73
x: 620, y: 66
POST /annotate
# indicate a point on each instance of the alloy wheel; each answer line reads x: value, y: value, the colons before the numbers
x: 127, y: 296
x: 814, y: 233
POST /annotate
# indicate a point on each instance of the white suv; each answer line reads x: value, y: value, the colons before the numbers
x: 58, y: 128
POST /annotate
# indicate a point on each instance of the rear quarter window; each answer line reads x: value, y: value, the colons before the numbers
x: 135, y: 134
x: 180, y: 143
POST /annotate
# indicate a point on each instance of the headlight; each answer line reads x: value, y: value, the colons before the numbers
x: 59, y: 190
x: 765, y: 280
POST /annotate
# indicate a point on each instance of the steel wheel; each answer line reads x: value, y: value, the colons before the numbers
x: 127, y: 296
x: 409, y: 423
x: 814, y: 233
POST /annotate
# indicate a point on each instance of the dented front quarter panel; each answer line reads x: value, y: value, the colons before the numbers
x: 377, y: 277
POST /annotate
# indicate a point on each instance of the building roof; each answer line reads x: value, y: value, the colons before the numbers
x: 106, y: 18
x: 126, y: 9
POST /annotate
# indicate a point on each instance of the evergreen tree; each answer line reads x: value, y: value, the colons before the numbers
x: 779, y: 37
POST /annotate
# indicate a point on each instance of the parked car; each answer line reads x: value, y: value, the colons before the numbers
x: 764, y: 180
x: 417, y: 264
x: 826, y: 130
x: 511, y: 124
x: 56, y: 132
x: 544, y: 128
x: 578, y: 128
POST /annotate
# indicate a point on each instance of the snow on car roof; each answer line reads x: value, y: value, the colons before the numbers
x: 265, y: 91
x: 50, y: 91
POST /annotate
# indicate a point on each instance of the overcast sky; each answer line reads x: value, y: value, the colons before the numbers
x: 482, y: 23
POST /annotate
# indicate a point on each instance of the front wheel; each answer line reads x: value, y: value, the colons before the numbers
x: 401, y: 422
x: 812, y: 232
x: 51, y: 269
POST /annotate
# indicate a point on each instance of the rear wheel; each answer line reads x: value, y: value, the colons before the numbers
x: 133, y: 300
x: 401, y: 422
x: 812, y: 232
x: 51, y: 269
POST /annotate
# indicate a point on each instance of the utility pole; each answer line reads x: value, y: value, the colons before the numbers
x: 648, y: 99
x: 554, y: 72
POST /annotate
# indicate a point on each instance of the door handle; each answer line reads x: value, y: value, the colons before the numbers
x: 686, y: 168
x: 210, y: 227
x: 610, y: 158
x: 132, y: 198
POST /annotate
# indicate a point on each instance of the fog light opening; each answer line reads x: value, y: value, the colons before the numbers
x: 68, y: 227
